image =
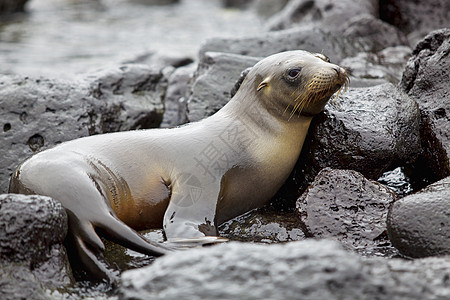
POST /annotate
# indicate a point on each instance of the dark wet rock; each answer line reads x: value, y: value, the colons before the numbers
x: 263, y: 226
x: 12, y: 6
x: 343, y: 205
x: 307, y: 38
x: 37, y: 113
x: 215, y: 77
x: 179, y: 85
x: 398, y: 181
x: 426, y: 79
x: 307, y: 269
x: 322, y: 13
x: 419, y: 224
x: 369, y: 130
x: 32, y: 231
x: 416, y: 18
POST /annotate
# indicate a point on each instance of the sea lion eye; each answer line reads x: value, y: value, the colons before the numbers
x: 293, y: 73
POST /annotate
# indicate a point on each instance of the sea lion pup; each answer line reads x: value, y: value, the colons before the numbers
x: 191, y: 178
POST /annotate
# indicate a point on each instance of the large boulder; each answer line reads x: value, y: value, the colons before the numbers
x: 178, y: 89
x: 426, y: 79
x: 298, y: 270
x: 37, y: 113
x: 369, y: 130
x: 415, y: 18
x: 307, y: 38
x: 370, y: 69
x: 343, y: 205
x: 17, y: 282
x: 419, y: 224
x: 32, y: 232
x: 213, y: 81
x: 323, y: 13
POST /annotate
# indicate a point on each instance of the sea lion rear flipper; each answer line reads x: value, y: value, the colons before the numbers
x: 90, y: 261
x: 118, y: 232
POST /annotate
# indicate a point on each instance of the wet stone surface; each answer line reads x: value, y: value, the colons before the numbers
x: 263, y: 226
x: 368, y: 130
x: 343, y: 205
x: 419, y: 224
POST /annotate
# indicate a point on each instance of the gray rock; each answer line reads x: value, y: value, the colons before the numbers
x: 179, y: 85
x: 39, y: 113
x: 416, y: 18
x: 321, y: 13
x: 159, y: 60
x: 216, y: 75
x: 236, y: 3
x: 32, y: 230
x: 17, y: 282
x: 12, y: 6
x: 267, y: 8
x: 426, y: 79
x: 263, y: 226
x: 298, y: 270
x: 343, y: 205
x: 366, y: 70
x: 133, y: 95
x: 372, y: 33
x: 307, y: 38
x: 354, y: 21
x: 419, y: 224
x: 370, y: 69
x: 156, y: 2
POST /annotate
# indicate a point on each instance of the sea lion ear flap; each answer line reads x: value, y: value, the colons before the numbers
x: 263, y: 84
x: 238, y: 84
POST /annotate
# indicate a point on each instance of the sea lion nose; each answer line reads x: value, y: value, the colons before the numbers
x: 337, y: 70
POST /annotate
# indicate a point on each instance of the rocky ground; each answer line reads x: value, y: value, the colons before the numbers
x: 364, y: 215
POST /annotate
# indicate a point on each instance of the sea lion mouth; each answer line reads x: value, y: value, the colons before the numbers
x: 337, y: 87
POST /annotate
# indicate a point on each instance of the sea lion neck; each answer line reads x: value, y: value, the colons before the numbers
x: 247, y: 107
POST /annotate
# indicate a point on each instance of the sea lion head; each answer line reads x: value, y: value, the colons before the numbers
x: 296, y: 82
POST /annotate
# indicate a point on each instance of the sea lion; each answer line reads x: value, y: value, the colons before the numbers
x: 191, y: 178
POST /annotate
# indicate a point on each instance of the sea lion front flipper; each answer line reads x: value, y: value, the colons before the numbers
x: 191, y: 211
